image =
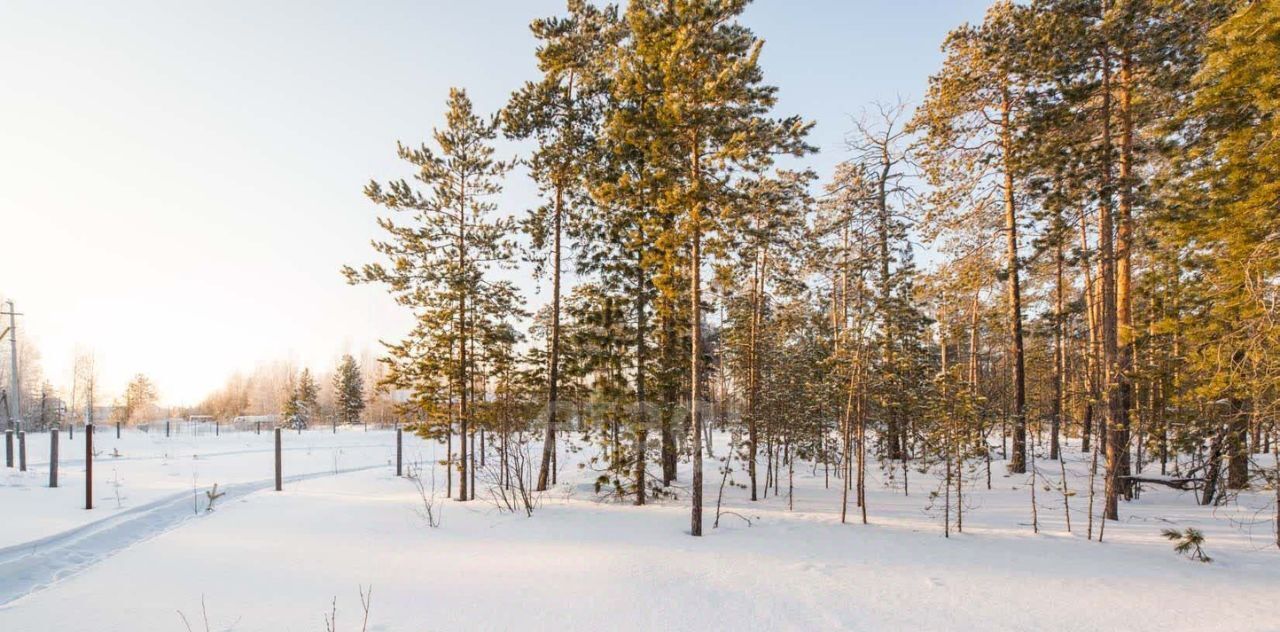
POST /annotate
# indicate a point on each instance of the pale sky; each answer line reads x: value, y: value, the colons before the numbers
x: 180, y: 181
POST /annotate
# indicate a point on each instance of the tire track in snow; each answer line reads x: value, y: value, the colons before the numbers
x: 33, y: 566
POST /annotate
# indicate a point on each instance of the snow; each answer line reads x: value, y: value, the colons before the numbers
x: 264, y: 560
x: 151, y: 467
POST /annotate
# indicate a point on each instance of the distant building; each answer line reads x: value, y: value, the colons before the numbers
x: 251, y: 419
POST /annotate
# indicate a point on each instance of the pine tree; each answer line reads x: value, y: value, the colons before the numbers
x: 562, y: 112
x: 348, y: 391
x: 973, y: 119
x: 881, y: 153
x: 598, y: 336
x: 712, y: 117
x: 767, y: 218
x: 437, y: 260
x: 139, y: 396
x: 308, y: 398
x: 1224, y: 211
x: 843, y: 246
x: 291, y: 409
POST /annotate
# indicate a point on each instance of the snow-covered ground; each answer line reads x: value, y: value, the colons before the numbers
x: 141, y: 468
x: 280, y: 561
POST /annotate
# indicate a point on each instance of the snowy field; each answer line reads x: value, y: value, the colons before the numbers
x: 278, y: 561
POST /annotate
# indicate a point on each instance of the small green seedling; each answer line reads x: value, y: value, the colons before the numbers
x: 1187, y: 543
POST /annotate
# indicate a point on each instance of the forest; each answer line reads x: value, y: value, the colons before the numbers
x: 1069, y: 244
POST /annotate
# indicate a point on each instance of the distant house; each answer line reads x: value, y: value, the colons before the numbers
x: 252, y: 419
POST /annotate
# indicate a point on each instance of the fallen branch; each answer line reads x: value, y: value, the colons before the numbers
x: 1184, y: 484
x: 213, y: 495
x: 734, y: 513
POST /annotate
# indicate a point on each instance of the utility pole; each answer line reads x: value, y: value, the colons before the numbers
x: 14, y: 398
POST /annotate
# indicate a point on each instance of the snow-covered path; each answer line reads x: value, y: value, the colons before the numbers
x: 32, y: 566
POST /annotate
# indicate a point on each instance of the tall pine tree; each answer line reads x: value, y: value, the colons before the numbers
x: 438, y: 254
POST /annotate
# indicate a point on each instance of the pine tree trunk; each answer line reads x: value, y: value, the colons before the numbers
x: 1059, y: 356
x: 1116, y: 444
x: 1018, y: 462
x: 862, y: 453
x: 670, y: 396
x: 462, y: 353
x: 974, y: 391
x: 1238, y: 447
x: 1275, y: 455
x: 791, y: 476
x: 1093, y: 474
x: 753, y: 376
x: 1126, y: 351
x: 553, y: 358
x: 642, y: 419
x: 893, y: 434
x: 846, y: 426
x: 1213, y: 467
x: 948, y: 451
x: 695, y: 324
x: 1093, y: 354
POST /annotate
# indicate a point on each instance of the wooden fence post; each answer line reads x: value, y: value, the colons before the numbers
x: 88, y: 466
x: 53, y: 457
x: 279, y: 479
x: 8, y: 447
x: 166, y: 428
x: 399, y: 451
x: 22, y: 450
x: 117, y: 430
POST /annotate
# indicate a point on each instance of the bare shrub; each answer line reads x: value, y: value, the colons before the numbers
x: 204, y: 619
x: 431, y: 510
x: 366, y: 600
x: 510, y: 479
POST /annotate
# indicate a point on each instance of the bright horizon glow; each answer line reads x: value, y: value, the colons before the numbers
x: 181, y: 182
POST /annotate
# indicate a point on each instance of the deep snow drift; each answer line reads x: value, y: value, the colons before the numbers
x: 264, y: 560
